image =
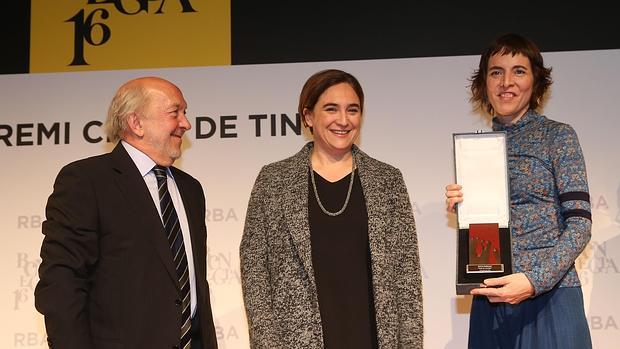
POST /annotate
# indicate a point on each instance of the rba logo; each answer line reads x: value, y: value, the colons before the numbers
x: 90, y: 21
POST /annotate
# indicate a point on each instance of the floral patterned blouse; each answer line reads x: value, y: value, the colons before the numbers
x: 549, y: 200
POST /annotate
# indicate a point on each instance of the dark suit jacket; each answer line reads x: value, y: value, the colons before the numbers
x: 107, y: 279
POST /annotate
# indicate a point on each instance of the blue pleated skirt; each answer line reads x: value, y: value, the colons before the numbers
x: 555, y: 319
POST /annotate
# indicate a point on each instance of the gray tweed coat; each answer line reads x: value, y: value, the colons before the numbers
x: 278, y: 282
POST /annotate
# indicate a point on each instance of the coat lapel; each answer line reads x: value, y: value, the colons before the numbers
x: 131, y: 184
x: 296, y: 199
x: 378, y: 208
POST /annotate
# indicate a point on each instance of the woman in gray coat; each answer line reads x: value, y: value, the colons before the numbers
x: 329, y: 254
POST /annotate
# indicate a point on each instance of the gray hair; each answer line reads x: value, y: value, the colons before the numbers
x: 128, y: 99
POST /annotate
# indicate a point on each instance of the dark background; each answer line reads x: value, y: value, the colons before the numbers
x: 305, y: 31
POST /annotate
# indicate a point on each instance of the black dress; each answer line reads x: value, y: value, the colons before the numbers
x: 341, y: 260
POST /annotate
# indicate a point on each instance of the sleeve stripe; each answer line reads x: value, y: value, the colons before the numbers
x: 575, y: 195
x: 577, y: 213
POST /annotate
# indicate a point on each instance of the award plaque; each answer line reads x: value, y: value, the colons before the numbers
x: 484, y: 244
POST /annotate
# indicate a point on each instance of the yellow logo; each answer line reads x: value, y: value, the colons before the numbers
x: 70, y: 35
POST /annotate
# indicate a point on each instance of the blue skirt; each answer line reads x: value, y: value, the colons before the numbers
x: 555, y: 319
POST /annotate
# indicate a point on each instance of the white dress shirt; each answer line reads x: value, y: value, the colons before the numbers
x: 145, y: 166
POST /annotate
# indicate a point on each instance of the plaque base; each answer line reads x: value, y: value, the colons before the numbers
x: 472, y: 275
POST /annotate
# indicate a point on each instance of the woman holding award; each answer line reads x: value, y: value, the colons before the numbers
x: 541, y: 304
x: 329, y: 255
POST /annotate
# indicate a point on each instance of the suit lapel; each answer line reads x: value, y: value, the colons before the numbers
x: 131, y: 184
x: 193, y: 216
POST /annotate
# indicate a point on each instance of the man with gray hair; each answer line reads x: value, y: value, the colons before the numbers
x: 124, y: 253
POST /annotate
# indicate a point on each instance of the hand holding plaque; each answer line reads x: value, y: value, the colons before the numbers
x: 484, y: 245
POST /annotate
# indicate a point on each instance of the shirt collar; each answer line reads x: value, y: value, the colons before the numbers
x: 142, y: 161
x: 526, y: 119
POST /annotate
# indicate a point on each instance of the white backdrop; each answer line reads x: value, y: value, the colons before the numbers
x: 412, y: 108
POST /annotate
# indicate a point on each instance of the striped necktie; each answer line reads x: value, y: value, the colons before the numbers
x: 172, y: 227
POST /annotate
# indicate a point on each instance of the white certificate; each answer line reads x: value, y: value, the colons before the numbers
x: 481, y: 169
